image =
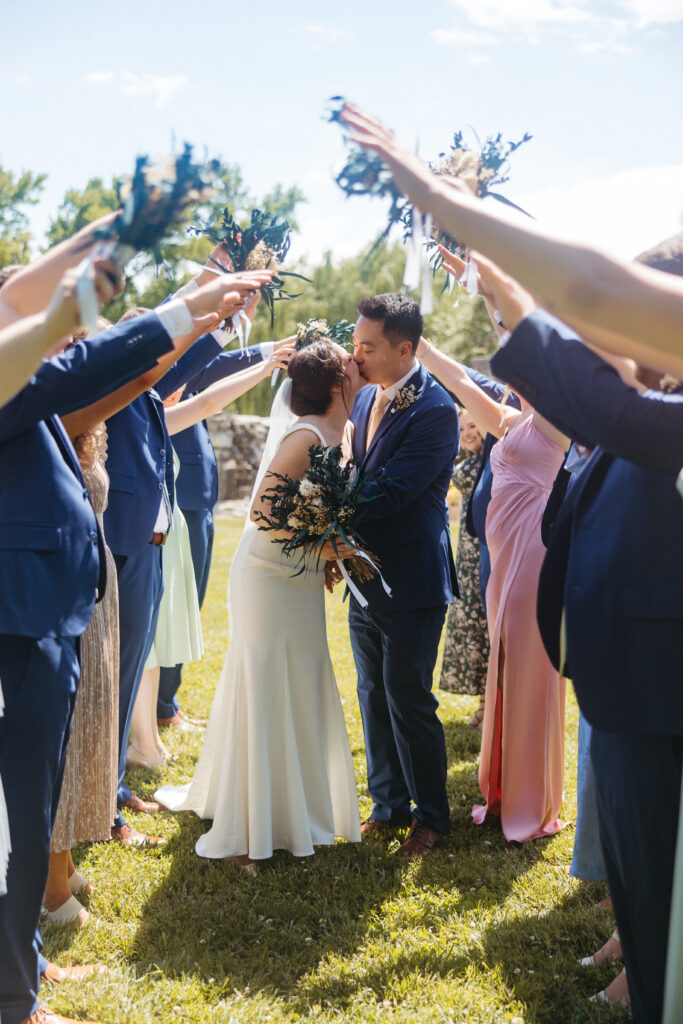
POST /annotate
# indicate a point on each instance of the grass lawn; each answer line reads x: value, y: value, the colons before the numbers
x: 481, y: 931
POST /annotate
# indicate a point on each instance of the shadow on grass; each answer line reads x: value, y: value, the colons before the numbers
x: 536, y: 955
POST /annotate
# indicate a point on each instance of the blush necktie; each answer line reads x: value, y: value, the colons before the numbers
x: 378, y: 410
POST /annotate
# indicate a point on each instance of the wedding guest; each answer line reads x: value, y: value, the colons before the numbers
x: 406, y: 423
x: 635, y: 311
x: 47, y: 526
x: 522, y: 750
x: 466, y: 644
x: 619, y: 580
x: 88, y: 798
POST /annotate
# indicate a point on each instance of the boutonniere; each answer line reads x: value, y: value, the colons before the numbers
x: 404, y: 398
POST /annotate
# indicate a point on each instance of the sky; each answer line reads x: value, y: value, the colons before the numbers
x: 597, y: 84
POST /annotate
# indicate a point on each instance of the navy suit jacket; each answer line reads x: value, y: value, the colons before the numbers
x: 197, y: 482
x: 140, y: 459
x: 49, y: 540
x: 615, y: 556
x: 406, y: 525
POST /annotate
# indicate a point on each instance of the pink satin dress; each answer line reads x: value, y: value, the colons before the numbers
x: 522, y: 746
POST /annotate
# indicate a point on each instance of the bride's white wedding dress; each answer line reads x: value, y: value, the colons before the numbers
x: 275, y: 772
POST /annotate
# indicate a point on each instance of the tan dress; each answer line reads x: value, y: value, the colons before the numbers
x: 87, y: 804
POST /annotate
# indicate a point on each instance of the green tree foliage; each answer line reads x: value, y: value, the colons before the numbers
x: 16, y: 192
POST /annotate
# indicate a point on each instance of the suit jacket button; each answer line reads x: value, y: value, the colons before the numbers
x: 162, y: 452
x: 85, y: 494
x: 93, y: 536
x: 161, y: 487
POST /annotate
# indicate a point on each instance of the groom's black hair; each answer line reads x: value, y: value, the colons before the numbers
x: 401, y: 316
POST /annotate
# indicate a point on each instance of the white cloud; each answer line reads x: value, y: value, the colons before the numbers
x: 477, y: 59
x: 595, y: 28
x: 653, y: 12
x: 625, y: 214
x: 500, y: 15
x: 325, y: 33
x: 160, y: 88
x: 99, y: 77
x: 459, y: 37
x: 15, y: 78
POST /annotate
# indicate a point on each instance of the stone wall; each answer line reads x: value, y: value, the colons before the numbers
x: 238, y: 442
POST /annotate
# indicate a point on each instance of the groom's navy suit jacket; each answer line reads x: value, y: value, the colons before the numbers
x: 49, y: 539
x: 615, y: 556
x: 406, y: 525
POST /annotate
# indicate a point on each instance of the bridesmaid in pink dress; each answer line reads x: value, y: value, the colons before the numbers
x: 522, y: 748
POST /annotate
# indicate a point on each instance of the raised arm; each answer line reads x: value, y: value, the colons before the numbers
x: 25, y: 343
x: 200, y: 311
x: 223, y: 392
x: 30, y: 290
x: 634, y: 302
x: 490, y: 416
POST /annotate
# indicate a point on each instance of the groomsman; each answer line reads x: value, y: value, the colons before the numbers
x: 53, y: 571
x: 406, y: 424
x: 609, y: 612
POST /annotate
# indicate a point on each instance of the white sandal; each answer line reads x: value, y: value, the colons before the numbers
x: 68, y: 912
x: 77, y: 883
x: 589, y: 961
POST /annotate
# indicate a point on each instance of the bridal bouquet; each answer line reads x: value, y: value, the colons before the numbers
x: 328, y: 503
x: 365, y: 173
x: 262, y: 245
x: 154, y: 203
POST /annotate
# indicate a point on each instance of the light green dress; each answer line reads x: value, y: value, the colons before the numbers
x: 178, y: 639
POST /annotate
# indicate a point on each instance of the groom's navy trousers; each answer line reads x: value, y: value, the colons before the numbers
x: 404, y: 741
x: 395, y: 639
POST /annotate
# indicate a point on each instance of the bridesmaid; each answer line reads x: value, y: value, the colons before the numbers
x: 87, y: 803
x: 466, y: 647
x: 522, y: 751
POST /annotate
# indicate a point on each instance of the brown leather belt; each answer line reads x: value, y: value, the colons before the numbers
x: 158, y: 539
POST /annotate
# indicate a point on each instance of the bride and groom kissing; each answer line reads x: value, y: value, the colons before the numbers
x: 275, y: 771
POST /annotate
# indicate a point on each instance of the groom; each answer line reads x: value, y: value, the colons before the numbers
x: 407, y: 424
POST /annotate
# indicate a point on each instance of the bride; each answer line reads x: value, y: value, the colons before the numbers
x: 275, y: 772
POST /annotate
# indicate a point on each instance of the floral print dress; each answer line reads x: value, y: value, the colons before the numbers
x: 466, y: 645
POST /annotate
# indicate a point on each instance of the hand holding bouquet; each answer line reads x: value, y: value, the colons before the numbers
x: 326, y: 506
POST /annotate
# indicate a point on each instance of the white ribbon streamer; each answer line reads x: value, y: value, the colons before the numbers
x: 362, y: 601
x: 426, y: 299
x: 86, y: 296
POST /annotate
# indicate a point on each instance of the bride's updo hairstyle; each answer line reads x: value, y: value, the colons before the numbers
x: 314, y: 371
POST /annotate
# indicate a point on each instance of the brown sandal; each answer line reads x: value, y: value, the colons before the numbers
x: 478, y: 716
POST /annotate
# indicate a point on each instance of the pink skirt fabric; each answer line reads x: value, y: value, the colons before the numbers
x: 522, y: 750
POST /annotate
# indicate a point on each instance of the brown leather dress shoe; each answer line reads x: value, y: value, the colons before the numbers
x: 372, y: 827
x: 56, y: 975
x: 419, y: 842
x: 134, y: 803
x: 128, y: 836
x: 44, y: 1015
